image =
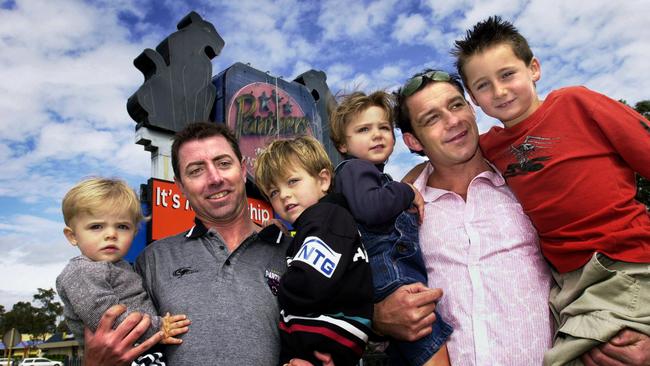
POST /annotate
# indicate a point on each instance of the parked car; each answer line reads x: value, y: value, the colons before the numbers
x: 39, y: 361
x: 6, y: 362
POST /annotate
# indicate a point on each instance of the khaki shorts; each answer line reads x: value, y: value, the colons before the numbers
x: 592, y: 304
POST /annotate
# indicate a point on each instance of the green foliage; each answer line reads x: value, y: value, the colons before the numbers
x: 643, y: 190
x: 643, y: 184
x: 3, y: 328
x: 62, y: 327
x: 49, y: 310
x: 643, y: 107
x: 22, y: 317
x: 28, y: 319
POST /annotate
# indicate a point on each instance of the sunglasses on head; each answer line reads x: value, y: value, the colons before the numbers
x: 415, y: 83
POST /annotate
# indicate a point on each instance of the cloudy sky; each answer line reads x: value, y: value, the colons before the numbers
x: 66, y: 71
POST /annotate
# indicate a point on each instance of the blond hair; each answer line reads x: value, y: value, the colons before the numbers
x: 277, y: 159
x: 350, y: 107
x: 97, y: 195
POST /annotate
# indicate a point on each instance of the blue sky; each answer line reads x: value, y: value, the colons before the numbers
x: 66, y: 72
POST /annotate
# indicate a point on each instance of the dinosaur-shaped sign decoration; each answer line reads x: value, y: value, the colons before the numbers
x: 177, y: 89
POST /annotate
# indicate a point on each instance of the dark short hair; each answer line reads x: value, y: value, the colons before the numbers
x: 200, y: 131
x: 402, y: 114
x: 488, y: 33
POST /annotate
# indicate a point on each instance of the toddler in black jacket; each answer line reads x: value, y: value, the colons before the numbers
x: 326, y: 294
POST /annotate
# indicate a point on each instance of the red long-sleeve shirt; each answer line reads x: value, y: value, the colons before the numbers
x: 571, y: 164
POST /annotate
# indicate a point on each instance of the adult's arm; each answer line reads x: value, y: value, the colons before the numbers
x: 407, y: 313
x: 108, y: 346
x: 415, y: 172
x: 628, y: 348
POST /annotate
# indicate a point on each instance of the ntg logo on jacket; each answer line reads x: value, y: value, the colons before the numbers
x: 315, y: 253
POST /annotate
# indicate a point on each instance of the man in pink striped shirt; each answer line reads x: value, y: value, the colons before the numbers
x: 477, y: 243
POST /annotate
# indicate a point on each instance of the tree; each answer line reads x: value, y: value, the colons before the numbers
x: 643, y: 184
x: 3, y: 328
x: 37, y: 321
x: 50, y: 310
x: 62, y: 327
x: 643, y: 107
x: 21, y: 317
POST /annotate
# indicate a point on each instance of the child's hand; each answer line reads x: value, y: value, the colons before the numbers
x: 325, y: 358
x: 277, y: 223
x: 418, y: 204
x: 173, y: 325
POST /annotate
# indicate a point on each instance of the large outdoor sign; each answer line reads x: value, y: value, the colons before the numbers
x: 260, y: 108
x: 171, y: 213
x: 179, y: 89
x: 261, y: 112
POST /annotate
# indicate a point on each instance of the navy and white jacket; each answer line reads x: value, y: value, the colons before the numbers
x: 373, y: 197
x: 326, y: 295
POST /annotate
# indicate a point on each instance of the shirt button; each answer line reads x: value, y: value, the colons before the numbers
x: 227, y: 262
x: 221, y: 247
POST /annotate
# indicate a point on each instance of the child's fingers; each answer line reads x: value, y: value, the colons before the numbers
x: 181, y: 324
x: 175, y: 318
x: 171, y: 340
x: 176, y: 331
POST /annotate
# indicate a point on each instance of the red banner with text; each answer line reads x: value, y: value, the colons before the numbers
x: 171, y: 212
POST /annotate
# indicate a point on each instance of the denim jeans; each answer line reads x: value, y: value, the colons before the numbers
x: 395, y: 257
x: 396, y: 260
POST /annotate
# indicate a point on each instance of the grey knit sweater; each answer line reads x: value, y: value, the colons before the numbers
x: 88, y: 288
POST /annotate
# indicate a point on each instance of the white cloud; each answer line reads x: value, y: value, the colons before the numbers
x: 480, y: 10
x: 441, y: 9
x: 270, y: 28
x: 390, y: 72
x: 66, y: 72
x: 338, y: 76
x: 300, y: 67
x: 25, y: 278
x: 409, y: 27
x: 33, y: 240
x: 342, y: 18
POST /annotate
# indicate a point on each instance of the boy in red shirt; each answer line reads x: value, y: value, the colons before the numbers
x: 571, y: 160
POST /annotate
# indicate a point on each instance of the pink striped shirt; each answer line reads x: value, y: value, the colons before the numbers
x: 484, y: 254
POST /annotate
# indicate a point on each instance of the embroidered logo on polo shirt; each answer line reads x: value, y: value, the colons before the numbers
x: 273, y: 280
x: 315, y: 253
x: 183, y: 271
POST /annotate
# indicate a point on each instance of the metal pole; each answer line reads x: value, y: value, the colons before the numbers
x: 11, y: 345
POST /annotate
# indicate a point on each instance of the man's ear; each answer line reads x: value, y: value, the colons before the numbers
x: 69, y: 234
x: 325, y: 180
x: 412, y: 142
x: 244, y: 170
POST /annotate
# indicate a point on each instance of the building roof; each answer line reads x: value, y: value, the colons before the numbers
x: 23, y: 345
x: 59, y: 340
